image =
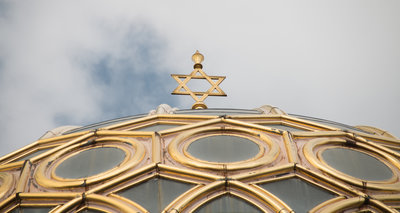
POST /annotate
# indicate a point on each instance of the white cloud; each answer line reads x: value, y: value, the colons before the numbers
x: 335, y: 60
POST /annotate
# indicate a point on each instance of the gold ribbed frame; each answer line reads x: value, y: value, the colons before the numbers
x: 54, y: 181
x: 93, y: 208
x: 275, y: 162
x: 341, y: 204
x: 312, y: 151
x: 11, y: 161
x: 217, y: 189
x: 264, y: 157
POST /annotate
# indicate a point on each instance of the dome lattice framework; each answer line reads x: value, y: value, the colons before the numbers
x: 210, y: 160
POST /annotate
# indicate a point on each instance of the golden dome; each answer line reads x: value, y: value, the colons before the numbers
x: 207, y: 160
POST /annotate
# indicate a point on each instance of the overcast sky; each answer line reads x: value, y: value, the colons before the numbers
x: 80, y: 62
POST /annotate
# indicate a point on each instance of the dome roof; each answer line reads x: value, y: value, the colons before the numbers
x: 205, y: 160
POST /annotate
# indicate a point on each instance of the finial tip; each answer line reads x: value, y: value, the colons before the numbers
x: 197, y: 59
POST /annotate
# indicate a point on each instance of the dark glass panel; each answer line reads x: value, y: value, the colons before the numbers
x: 330, y: 123
x: 223, y: 148
x: 104, y: 123
x: 283, y: 127
x: 33, y: 154
x: 357, y: 164
x: 227, y: 204
x: 155, y: 194
x: 300, y: 195
x: 90, y: 162
x: 32, y: 210
x: 157, y: 127
x: 217, y: 111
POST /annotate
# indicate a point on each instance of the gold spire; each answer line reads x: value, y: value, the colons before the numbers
x: 198, y: 73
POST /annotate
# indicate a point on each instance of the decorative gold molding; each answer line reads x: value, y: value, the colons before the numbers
x: 188, y: 173
x: 94, y: 208
x: 7, y: 160
x: 346, y: 204
x: 291, y: 149
x: 156, y: 148
x: 110, y: 202
x: 327, y: 203
x: 314, y: 157
x: 113, y: 183
x: 377, y: 131
x: 236, y: 188
x: 261, y: 173
x: 151, y: 171
x: 6, y: 183
x: 190, y: 199
x: 54, y: 181
x: 23, y: 177
x: 260, y: 159
x: 138, y: 207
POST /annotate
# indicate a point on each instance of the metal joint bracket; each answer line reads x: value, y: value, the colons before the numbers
x: 367, y: 199
x: 223, y: 116
x: 157, y: 168
x: 89, y: 142
x: 351, y: 143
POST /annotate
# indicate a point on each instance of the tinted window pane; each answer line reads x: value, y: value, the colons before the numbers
x: 33, y: 154
x: 223, y: 148
x: 32, y: 210
x: 227, y: 204
x: 90, y: 162
x: 300, y: 195
x: 330, y: 123
x: 283, y: 127
x: 157, y: 127
x: 155, y: 194
x: 104, y: 123
x: 357, y: 164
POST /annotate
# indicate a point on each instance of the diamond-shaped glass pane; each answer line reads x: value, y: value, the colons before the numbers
x: 300, y: 195
x: 155, y: 194
x: 227, y: 204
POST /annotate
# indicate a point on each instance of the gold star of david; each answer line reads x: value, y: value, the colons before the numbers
x: 198, y: 73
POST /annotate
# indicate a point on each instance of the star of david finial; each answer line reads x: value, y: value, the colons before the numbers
x: 198, y: 73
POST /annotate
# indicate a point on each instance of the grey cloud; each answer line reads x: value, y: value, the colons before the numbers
x: 130, y: 72
x: 84, y: 73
